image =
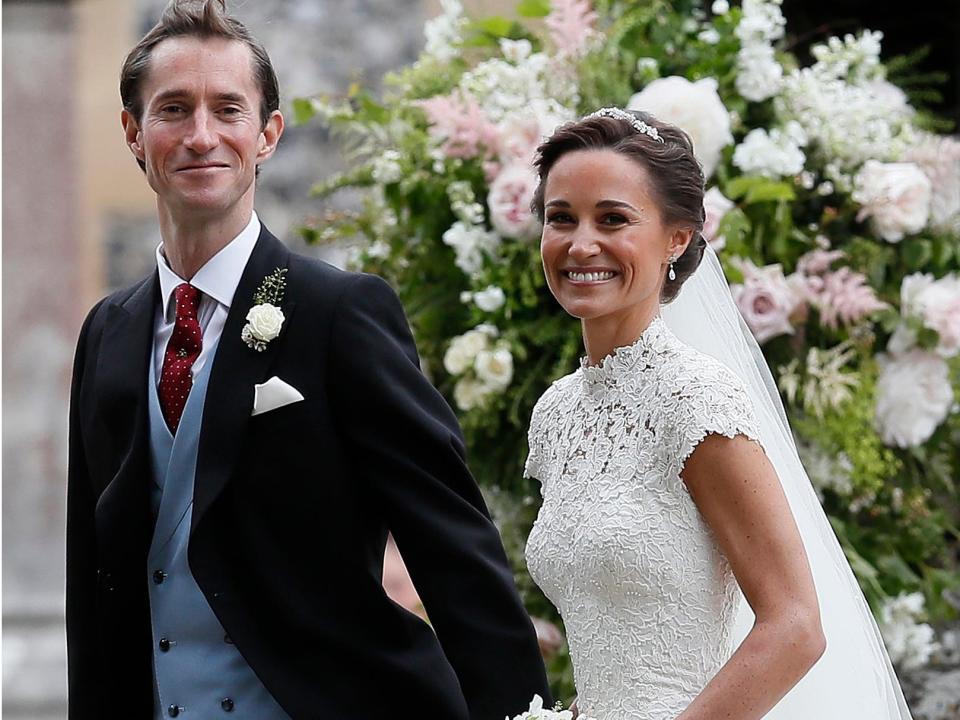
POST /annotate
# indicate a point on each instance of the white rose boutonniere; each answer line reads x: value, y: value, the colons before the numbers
x: 265, y: 318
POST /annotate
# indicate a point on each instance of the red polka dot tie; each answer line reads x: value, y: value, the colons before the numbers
x: 182, y: 351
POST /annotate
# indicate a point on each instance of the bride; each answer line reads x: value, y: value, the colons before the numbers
x: 679, y: 536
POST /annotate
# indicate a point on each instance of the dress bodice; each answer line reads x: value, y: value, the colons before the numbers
x: 647, y: 598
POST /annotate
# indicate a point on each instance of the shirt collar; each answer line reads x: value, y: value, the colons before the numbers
x: 219, y: 276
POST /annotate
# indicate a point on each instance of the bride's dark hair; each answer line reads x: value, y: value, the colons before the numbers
x: 676, y: 178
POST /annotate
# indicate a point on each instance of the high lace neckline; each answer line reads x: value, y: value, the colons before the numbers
x: 623, y: 360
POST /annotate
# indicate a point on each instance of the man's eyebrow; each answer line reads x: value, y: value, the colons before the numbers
x: 177, y: 94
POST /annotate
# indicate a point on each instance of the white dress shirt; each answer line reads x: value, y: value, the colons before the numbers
x: 217, y: 280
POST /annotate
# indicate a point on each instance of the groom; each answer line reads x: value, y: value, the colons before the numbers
x: 246, y: 426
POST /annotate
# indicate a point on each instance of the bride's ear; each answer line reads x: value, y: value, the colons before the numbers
x: 679, y: 241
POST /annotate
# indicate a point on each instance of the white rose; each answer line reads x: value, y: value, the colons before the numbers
x: 766, y: 300
x: 463, y: 351
x: 495, y: 367
x: 939, y: 158
x: 895, y: 196
x: 469, y: 393
x: 694, y: 107
x: 715, y: 206
x: 913, y: 397
x: 937, y: 304
x: 509, y: 201
x: 490, y: 299
x: 265, y: 321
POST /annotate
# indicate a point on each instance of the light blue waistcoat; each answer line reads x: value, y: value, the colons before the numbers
x: 198, y: 673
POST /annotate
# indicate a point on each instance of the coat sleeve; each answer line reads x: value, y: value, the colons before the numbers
x: 408, y: 440
x: 83, y: 655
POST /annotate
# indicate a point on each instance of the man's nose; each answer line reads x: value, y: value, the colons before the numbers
x: 202, y: 136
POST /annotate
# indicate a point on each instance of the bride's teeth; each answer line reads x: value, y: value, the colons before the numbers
x: 590, y: 277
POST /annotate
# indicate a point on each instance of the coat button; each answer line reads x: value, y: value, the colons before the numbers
x: 174, y: 710
x: 165, y: 647
x: 159, y: 576
x: 227, y: 705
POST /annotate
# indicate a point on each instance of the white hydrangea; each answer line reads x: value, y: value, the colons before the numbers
x: 762, y: 22
x: 773, y: 154
x: 504, y: 87
x: 386, y: 167
x: 855, y: 57
x: 759, y: 75
x: 847, y: 110
x: 444, y: 32
x: 471, y: 243
x: 910, y: 643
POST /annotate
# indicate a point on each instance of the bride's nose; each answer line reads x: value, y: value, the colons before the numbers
x: 583, y: 244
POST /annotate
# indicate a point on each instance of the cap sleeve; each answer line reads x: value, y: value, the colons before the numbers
x: 541, y: 436
x: 715, y: 402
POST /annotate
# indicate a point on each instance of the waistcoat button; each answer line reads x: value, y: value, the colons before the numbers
x: 174, y: 710
x: 165, y: 647
x: 227, y: 705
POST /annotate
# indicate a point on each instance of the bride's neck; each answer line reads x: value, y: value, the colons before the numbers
x: 603, y: 335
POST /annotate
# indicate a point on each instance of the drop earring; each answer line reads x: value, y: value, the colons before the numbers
x: 672, y: 275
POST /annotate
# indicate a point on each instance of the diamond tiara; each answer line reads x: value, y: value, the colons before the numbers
x: 638, y: 124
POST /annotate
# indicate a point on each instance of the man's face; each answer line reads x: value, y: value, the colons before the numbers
x: 200, y: 136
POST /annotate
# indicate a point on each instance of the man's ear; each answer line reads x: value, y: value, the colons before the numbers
x: 270, y: 136
x: 131, y: 129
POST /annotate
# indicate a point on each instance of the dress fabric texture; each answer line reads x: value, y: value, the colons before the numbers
x: 619, y: 546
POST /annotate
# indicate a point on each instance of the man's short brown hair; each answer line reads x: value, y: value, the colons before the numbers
x: 203, y: 19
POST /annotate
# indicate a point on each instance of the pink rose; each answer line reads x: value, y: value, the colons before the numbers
x: 895, y: 196
x: 715, y: 206
x: 509, y: 202
x: 766, y: 300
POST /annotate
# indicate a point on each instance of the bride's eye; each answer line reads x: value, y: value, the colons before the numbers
x: 559, y: 218
x: 613, y: 219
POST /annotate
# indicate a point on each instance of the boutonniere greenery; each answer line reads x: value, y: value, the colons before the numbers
x: 265, y: 317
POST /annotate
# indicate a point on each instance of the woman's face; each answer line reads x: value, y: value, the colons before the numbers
x: 604, y: 246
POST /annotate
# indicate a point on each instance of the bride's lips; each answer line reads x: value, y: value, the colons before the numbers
x: 586, y: 276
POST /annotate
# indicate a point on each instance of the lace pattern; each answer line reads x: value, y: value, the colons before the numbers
x: 647, y: 598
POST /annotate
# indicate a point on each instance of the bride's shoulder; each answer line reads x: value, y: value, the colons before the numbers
x: 694, y: 375
x: 554, y: 395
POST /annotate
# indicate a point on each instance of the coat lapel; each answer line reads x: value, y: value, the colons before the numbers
x: 123, y: 509
x: 236, y: 369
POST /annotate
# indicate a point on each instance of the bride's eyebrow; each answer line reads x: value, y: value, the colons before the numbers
x: 600, y: 204
x: 616, y: 204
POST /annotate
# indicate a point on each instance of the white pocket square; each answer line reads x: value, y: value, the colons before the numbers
x: 273, y: 394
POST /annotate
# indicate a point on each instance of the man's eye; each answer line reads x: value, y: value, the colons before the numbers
x: 171, y: 109
x: 230, y: 110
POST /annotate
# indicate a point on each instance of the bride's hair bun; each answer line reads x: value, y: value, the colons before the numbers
x: 676, y: 175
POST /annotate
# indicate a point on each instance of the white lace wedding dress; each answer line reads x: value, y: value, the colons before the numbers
x: 647, y: 598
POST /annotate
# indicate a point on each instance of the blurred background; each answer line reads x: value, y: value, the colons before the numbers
x: 79, y: 221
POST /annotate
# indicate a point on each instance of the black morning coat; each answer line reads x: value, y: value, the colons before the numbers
x: 291, y: 513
